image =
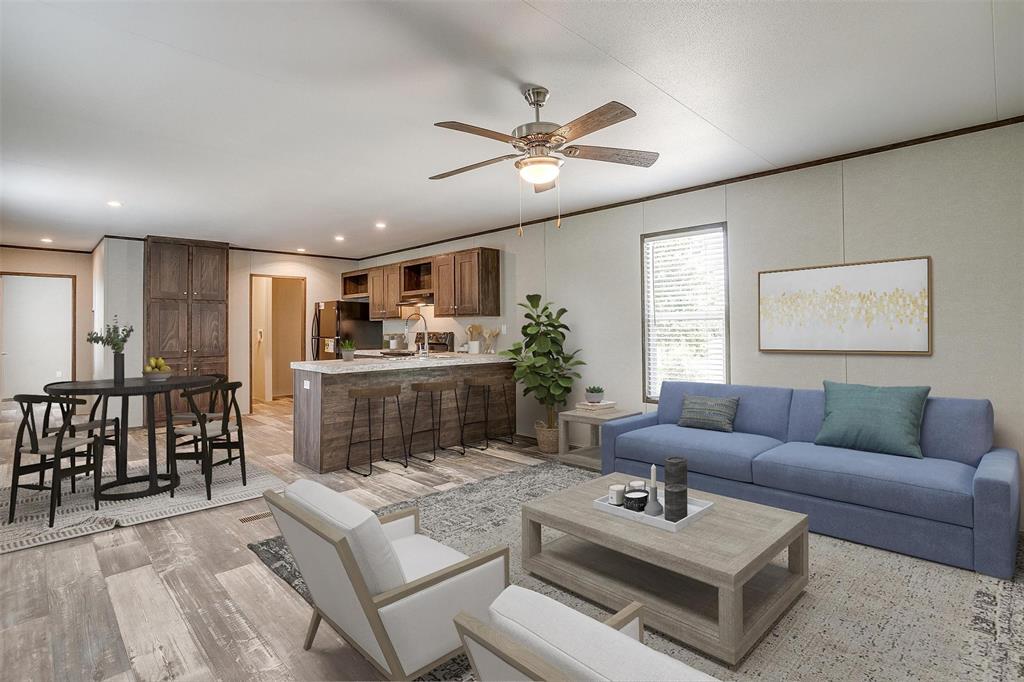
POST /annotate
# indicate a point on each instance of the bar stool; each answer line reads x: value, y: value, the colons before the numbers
x: 487, y: 383
x: 433, y: 387
x: 368, y: 394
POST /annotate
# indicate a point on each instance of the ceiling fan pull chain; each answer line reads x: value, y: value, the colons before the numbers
x: 520, y: 205
x: 558, y: 199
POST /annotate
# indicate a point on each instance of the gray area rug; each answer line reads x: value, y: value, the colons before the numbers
x: 76, y: 515
x: 867, y: 614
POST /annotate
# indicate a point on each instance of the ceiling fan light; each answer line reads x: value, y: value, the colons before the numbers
x: 538, y: 170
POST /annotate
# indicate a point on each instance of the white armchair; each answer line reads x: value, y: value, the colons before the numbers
x: 390, y: 592
x: 527, y: 636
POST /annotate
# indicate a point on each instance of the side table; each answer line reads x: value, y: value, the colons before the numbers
x: 587, y: 457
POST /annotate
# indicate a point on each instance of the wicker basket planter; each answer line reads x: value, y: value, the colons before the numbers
x: 547, y: 438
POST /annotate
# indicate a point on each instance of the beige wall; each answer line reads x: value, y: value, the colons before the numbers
x: 61, y: 263
x: 262, y: 345
x: 289, y: 331
x: 959, y: 200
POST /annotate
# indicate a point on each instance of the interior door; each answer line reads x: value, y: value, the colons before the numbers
x: 467, y: 283
x: 444, y: 285
x: 377, y: 307
x: 168, y: 270
x: 209, y: 268
x: 36, y: 332
x: 392, y: 290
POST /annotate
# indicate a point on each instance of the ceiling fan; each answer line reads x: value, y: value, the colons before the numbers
x: 536, y: 142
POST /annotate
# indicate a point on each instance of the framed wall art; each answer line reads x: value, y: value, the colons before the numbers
x: 871, y: 307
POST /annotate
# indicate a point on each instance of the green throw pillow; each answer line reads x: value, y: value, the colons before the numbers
x: 884, y: 419
x: 712, y: 414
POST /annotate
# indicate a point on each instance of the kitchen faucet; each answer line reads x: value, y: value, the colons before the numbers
x: 425, y: 346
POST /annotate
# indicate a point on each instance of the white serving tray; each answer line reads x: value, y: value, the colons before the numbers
x: 695, y: 508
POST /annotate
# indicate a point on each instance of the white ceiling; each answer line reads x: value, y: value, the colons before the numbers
x: 279, y: 125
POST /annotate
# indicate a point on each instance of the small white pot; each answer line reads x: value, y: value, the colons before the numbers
x: 348, y: 353
x: 594, y: 397
x: 474, y: 347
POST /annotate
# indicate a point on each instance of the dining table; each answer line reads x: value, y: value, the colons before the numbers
x: 148, y: 389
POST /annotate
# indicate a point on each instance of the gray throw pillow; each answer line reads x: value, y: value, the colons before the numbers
x: 712, y: 414
x: 884, y: 419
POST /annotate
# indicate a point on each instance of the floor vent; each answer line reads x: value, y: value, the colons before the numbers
x: 254, y: 517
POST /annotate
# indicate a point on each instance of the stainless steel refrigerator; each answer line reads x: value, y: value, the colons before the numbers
x: 337, y: 321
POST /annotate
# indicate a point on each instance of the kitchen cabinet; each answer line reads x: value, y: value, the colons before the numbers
x: 186, y: 307
x: 385, y: 290
x: 444, y: 285
x: 471, y: 281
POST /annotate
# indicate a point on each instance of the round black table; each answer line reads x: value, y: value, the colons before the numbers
x: 105, y: 389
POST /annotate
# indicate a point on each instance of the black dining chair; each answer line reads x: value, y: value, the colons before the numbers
x: 210, y: 431
x: 51, y: 450
x: 91, y: 425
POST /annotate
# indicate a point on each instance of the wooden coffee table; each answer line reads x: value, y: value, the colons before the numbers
x: 712, y: 585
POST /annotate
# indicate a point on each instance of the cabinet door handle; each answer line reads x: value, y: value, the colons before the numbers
x: 195, y: 350
x: 195, y: 293
x: 184, y: 293
x: 195, y: 369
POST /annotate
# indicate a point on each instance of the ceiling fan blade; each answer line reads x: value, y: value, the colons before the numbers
x: 544, y: 187
x: 602, y: 117
x: 488, y: 162
x: 476, y: 130
x: 630, y: 157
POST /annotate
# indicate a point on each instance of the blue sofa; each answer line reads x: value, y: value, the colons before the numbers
x: 959, y: 505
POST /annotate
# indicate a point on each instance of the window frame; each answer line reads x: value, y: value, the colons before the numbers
x: 723, y: 226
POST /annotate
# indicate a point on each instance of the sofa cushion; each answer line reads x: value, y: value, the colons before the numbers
x: 727, y: 455
x: 578, y: 646
x: 884, y: 419
x: 762, y: 410
x: 928, y: 488
x: 371, y: 548
x: 420, y: 555
x: 959, y: 429
x: 712, y: 414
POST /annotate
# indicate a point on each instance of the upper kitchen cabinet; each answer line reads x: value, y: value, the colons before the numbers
x: 167, y: 269
x: 468, y: 283
x: 209, y: 273
x: 385, y: 290
x: 355, y: 285
x: 417, y: 277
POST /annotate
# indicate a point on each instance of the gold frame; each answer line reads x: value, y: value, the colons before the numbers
x: 931, y: 311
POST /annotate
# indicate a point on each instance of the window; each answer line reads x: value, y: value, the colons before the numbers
x: 685, y: 313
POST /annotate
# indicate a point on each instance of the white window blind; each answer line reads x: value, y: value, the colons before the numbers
x: 685, y: 290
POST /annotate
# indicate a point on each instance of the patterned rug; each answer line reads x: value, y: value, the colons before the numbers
x: 867, y: 614
x: 76, y: 515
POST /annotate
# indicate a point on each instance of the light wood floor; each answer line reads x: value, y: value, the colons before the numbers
x: 184, y: 598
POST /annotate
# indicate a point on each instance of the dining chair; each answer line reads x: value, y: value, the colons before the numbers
x: 51, y: 450
x: 209, y: 431
x: 109, y: 430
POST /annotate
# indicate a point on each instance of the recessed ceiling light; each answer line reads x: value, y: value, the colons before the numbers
x: 46, y: 240
x: 114, y: 203
x: 339, y: 238
x: 380, y: 225
x: 301, y: 250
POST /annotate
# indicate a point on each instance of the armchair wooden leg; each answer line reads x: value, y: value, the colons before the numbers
x: 314, y: 623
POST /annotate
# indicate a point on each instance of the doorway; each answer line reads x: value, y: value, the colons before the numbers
x: 277, y: 334
x: 37, y: 331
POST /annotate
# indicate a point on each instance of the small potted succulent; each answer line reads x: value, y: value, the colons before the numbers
x: 348, y: 349
x: 595, y: 394
x: 114, y: 336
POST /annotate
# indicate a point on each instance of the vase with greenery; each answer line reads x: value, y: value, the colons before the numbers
x: 348, y: 349
x: 543, y: 366
x: 594, y: 394
x: 114, y: 336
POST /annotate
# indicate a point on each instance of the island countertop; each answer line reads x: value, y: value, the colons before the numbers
x: 372, y: 361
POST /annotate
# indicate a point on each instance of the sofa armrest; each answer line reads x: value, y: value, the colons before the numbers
x: 401, y: 524
x: 629, y: 621
x: 615, y: 428
x: 997, y: 513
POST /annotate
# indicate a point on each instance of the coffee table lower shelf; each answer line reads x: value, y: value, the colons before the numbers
x: 725, y: 623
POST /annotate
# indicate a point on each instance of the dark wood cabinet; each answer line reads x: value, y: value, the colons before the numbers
x: 444, y: 285
x: 186, y: 302
x: 385, y: 290
x: 376, y: 290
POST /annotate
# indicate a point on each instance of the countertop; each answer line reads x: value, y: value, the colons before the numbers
x: 373, y: 361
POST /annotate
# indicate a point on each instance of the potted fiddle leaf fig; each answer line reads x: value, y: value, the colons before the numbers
x: 543, y: 366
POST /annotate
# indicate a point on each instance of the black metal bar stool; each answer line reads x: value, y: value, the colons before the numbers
x: 438, y: 387
x: 486, y: 383
x: 368, y: 394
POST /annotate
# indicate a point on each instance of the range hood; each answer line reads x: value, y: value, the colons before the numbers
x: 417, y: 299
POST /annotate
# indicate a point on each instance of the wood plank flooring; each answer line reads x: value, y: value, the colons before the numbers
x: 184, y: 598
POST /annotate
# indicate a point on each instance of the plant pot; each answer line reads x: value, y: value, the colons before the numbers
x: 348, y: 353
x: 547, y: 438
x: 594, y: 397
x: 119, y: 369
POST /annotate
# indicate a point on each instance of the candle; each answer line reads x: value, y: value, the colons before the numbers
x: 654, y: 477
x: 636, y: 485
x: 615, y: 493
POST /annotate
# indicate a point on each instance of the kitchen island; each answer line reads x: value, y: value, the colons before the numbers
x: 323, y: 409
